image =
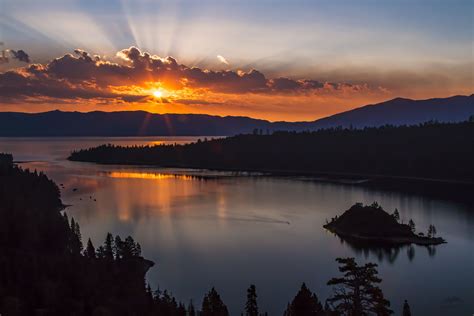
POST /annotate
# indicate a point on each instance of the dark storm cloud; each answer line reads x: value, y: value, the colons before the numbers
x: 21, y: 55
x: 86, y: 76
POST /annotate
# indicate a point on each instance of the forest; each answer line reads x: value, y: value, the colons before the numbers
x: 433, y: 151
x: 46, y: 270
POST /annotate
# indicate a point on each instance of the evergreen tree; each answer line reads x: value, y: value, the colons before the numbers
x: 212, y: 305
x: 89, y: 252
x: 356, y: 292
x: 109, y: 247
x: 129, y: 248
x: 396, y: 215
x: 191, y: 309
x: 431, y: 231
x: 251, y: 307
x: 305, y: 303
x: 181, y: 310
x: 138, y: 250
x: 119, y: 247
x: 406, y: 309
x: 75, y: 240
x: 411, y: 223
x: 101, y: 252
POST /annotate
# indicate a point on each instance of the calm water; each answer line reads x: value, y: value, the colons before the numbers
x: 208, y: 229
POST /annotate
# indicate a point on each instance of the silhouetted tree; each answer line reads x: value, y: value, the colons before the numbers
x: 305, y: 303
x: 431, y: 231
x: 89, y: 252
x: 396, y: 215
x: 118, y: 248
x: 76, y: 239
x: 411, y: 223
x: 356, y: 292
x: 212, y: 305
x: 251, y: 306
x: 406, y: 309
x: 191, y: 309
x: 109, y: 247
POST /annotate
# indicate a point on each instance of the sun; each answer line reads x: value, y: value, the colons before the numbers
x: 158, y: 94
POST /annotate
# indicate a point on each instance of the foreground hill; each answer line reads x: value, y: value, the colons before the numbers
x: 140, y: 123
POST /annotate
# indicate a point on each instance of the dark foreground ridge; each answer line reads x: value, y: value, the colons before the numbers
x: 370, y: 223
x: 432, y: 157
x: 44, y: 269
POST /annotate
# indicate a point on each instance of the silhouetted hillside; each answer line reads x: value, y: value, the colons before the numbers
x: 444, y: 151
x: 401, y: 111
x: 139, y: 123
x: 433, y: 159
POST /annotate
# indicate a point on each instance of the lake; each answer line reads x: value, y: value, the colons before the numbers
x: 206, y: 228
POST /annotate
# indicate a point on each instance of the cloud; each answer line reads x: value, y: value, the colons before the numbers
x: 222, y: 59
x: 84, y: 76
x: 21, y: 55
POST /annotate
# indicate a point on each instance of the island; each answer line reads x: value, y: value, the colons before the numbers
x: 371, y: 223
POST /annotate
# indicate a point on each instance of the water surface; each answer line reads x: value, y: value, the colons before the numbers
x: 206, y: 228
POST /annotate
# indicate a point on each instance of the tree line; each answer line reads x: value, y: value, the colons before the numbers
x: 429, y: 150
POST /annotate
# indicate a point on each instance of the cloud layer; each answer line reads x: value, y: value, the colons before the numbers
x: 127, y: 77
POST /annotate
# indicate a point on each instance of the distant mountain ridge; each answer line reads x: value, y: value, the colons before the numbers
x: 398, y: 111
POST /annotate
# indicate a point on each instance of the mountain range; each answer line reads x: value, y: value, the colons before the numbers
x: 398, y: 111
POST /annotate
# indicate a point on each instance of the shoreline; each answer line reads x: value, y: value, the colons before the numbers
x: 400, y: 240
x: 361, y: 177
x: 446, y: 189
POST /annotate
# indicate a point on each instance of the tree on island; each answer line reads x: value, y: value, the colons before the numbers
x: 406, y: 309
x: 431, y: 231
x: 305, y: 303
x: 212, y: 305
x: 411, y: 223
x: 251, y: 307
x: 356, y: 292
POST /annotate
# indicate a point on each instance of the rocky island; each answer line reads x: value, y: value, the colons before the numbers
x: 370, y: 223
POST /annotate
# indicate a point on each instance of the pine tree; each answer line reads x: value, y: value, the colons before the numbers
x: 90, y: 250
x: 212, y: 305
x: 75, y: 242
x: 431, y: 231
x: 77, y: 232
x: 356, y: 292
x: 396, y: 215
x: 109, y: 247
x: 411, y: 223
x: 305, y: 303
x: 406, y: 309
x: 251, y: 307
x: 119, y: 247
x: 128, y: 248
x: 191, y: 309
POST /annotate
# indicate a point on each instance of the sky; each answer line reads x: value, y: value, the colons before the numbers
x: 276, y: 60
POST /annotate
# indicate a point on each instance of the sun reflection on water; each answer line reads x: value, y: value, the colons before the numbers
x: 147, y: 175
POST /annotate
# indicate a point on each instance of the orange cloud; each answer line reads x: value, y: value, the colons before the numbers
x: 131, y: 82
